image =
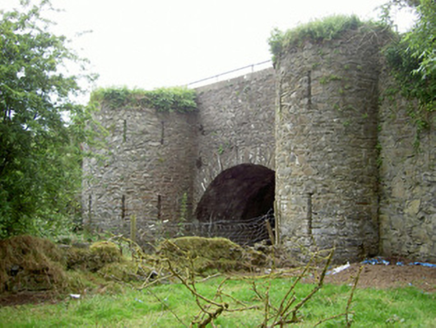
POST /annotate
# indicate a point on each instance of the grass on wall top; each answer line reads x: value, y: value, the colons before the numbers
x: 174, y: 99
x: 324, y: 29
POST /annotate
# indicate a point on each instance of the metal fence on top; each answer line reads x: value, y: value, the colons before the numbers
x: 231, y: 74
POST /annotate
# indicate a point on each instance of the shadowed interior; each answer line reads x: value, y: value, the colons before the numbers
x: 238, y: 194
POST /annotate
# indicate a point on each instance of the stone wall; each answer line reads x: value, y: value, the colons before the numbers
x: 407, y: 181
x: 235, y: 126
x: 326, y: 136
x: 145, y: 169
x: 155, y: 163
x: 347, y: 172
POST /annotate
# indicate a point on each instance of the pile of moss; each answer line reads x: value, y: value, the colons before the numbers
x: 93, y: 258
x: 208, y: 255
x: 33, y: 264
x: 29, y: 263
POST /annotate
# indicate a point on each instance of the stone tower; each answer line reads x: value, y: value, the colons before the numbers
x: 326, y: 138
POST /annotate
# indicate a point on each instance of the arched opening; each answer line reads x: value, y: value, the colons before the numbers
x: 239, y: 204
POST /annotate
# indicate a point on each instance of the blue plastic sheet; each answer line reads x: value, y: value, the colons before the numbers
x: 430, y: 265
x: 376, y: 260
x: 380, y: 260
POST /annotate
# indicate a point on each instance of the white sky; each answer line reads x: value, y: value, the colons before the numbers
x: 150, y: 44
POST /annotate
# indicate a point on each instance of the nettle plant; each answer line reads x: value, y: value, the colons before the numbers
x: 174, y: 99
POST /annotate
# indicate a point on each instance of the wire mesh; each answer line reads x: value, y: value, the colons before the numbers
x: 242, y: 232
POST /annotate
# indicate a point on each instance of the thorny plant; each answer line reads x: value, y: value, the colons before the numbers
x: 210, y: 308
x: 285, y: 313
x: 281, y: 313
x: 287, y: 310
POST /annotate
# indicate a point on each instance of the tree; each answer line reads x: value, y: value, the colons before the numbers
x: 41, y: 128
x: 422, y: 39
x: 413, y: 57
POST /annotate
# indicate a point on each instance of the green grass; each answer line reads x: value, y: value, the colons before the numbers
x: 406, y: 307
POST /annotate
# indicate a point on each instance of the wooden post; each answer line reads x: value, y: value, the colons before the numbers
x: 270, y: 232
x: 133, y: 228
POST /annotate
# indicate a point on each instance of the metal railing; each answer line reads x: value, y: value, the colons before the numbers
x: 231, y: 74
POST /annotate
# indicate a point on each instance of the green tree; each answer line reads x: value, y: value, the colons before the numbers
x: 41, y: 128
x: 413, y: 56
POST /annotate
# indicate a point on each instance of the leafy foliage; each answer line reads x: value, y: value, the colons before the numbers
x: 40, y: 155
x: 175, y: 99
x: 412, y: 58
x: 318, y: 30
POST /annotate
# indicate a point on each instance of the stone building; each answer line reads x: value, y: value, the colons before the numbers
x: 346, y: 171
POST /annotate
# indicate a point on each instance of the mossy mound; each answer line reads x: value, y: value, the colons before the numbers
x: 29, y: 263
x: 207, y: 255
x: 93, y: 259
x: 32, y: 264
x: 126, y: 271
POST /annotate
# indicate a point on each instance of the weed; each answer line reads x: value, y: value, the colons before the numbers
x: 174, y: 99
x: 329, y: 78
x: 317, y: 31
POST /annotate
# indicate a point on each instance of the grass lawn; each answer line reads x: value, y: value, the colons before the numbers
x: 173, y: 305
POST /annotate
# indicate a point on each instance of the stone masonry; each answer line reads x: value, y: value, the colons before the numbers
x: 407, y: 181
x: 235, y: 126
x: 326, y: 135
x: 348, y: 173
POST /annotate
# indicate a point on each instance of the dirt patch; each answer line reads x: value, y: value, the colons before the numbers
x: 385, y: 276
x: 29, y: 298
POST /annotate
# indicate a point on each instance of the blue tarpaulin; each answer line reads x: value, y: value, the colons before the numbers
x: 376, y: 260
x: 380, y: 260
x: 430, y: 265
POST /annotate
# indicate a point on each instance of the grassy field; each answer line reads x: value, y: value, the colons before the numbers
x: 173, y: 305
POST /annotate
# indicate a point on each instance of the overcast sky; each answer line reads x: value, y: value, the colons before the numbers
x: 150, y: 44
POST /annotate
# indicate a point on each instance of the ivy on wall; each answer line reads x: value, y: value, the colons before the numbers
x: 174, y: 99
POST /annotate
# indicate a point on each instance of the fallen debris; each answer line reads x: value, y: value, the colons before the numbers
x: 339, y: 269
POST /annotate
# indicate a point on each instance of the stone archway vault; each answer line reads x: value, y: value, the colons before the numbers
x: 239, y: 197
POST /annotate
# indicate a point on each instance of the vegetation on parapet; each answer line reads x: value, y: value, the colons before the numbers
x: 319, y: 30
x: 174, y: 99
x: 411, y: 56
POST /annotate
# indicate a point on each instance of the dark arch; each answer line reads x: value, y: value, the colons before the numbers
x: 238, y: 194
